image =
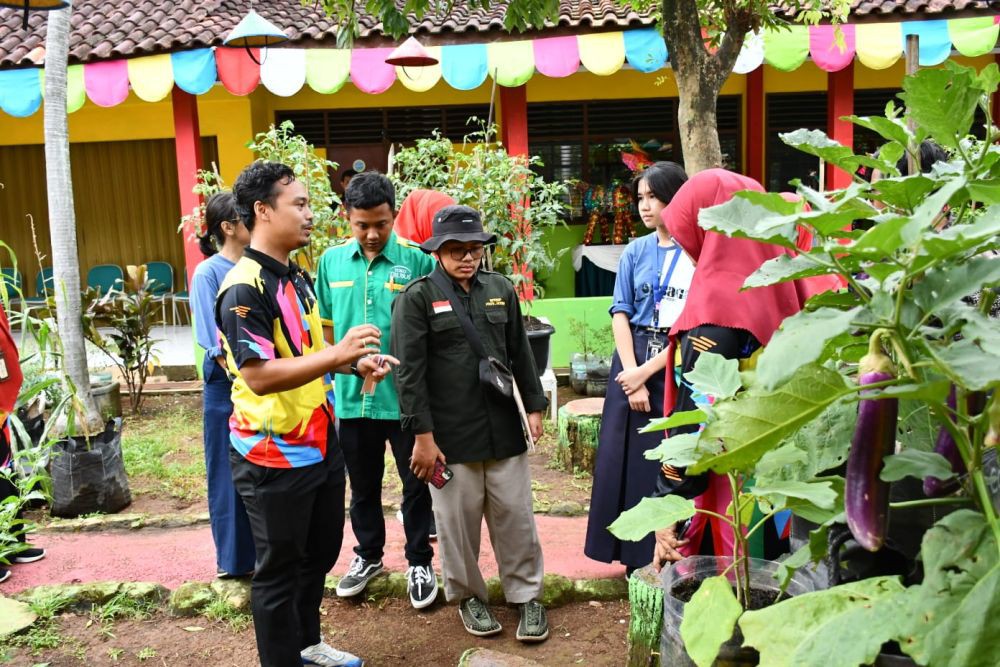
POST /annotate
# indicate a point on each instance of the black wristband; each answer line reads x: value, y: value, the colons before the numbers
x: 355, y: 371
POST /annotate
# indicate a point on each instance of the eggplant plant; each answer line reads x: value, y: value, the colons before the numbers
x: 869, y: 375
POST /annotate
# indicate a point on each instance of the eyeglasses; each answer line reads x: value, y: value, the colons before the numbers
x: 458, y: 254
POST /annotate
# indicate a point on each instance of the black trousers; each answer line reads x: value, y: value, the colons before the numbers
x: 297, y: 519
x: 363, y: 442
x: 726, y: 342
x: 7, y: 487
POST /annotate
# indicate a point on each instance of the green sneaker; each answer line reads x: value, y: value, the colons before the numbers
x: 534, y: 625
x: 477, y: 618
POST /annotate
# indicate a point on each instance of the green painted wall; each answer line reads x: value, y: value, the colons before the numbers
x: 559, y: 312
x: 559, y: 283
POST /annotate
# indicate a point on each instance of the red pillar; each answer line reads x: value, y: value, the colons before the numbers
x: 755, y: 125
x: 840, y: 102
x: 514, y: 119
x: 514, y: 135
x: 187, y: 144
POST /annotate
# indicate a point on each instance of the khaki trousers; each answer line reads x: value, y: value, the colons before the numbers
x: 500, y: 491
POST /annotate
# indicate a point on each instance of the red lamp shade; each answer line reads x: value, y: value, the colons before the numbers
x: 411, y: 54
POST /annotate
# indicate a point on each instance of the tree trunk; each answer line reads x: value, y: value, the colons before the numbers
x: 62, y: 220
x: 700, y: 74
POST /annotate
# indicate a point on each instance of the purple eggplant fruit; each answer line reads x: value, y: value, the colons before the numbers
x: 945, y: 446
x: 866, y: 496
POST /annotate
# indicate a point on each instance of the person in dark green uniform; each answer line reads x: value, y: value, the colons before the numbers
x: 475, y: 431
x: 356, y: 283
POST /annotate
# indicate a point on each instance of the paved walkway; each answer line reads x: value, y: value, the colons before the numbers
x: 173, y: 556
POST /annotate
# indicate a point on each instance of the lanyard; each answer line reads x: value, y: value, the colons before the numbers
x: 660, y: 289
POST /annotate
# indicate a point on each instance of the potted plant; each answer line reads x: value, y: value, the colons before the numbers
x: 912, y: 352
x: 591, y: 363
x: 516, y: 204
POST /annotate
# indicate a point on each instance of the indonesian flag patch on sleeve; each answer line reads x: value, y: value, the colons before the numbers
x: 441, y: 307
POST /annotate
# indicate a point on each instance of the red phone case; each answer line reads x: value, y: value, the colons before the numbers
x: 441, y: 475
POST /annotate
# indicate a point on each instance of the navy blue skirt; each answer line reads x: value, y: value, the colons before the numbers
x: 622, y: 475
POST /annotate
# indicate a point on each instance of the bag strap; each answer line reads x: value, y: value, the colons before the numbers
x: 471, y: 334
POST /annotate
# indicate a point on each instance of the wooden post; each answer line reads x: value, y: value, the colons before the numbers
x: 840, y: 102
x: 187, y: 144
x: 645, y: 599
x: 755, y: 135
x: 912, y: 65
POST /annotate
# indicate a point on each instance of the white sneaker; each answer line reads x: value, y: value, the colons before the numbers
x: 326, y: 656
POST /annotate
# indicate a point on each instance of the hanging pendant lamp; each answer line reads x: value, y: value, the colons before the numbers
x: 33, y: 5
x: 255, y: 31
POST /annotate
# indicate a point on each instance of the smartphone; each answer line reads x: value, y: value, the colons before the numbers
x: 683, y: 529
x: 441, y: 475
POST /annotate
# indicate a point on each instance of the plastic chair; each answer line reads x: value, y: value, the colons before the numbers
x: 45, y: 283
x: 106, y: 277
x: 12, y: 281
x: 161, y: 275
x: 182, y: 297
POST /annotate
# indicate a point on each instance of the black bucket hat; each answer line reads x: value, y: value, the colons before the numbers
x: 456, y: 223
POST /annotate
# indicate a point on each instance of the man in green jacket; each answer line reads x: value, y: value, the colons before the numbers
x: 475, y: 431
x: 356, y: 284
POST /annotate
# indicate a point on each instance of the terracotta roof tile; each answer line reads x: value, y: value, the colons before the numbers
x: 116, y: 28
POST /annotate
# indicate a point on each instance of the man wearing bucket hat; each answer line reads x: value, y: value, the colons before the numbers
x: 470, y: 443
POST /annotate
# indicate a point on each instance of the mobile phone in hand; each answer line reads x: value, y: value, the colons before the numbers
x: 441, y: 475
x: 682, y: 529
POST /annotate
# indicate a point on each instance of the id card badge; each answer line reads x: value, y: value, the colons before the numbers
x: 654, y: 346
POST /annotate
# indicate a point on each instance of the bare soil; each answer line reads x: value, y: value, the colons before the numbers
x: 177, y: 418
x: 391, y: 633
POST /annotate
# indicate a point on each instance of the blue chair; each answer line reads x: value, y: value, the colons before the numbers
x: 106, y: 277
x: 182, y: 297
x: 12, y: 281
x: 45, y: 283
x: 161, y: 277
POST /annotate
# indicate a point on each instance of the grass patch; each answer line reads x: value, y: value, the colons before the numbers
x: 120, y: 606
x: 44, y: 633
x: 164, y: 454
x: 219, y: 610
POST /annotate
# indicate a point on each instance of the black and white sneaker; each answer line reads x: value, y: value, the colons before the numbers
x: 4, y: 574
x: 28, y: 556
x: 422, y: 586
x: 358, y: 575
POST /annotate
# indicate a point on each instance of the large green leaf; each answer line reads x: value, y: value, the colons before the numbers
x: 714, y: 375
x: 915, y: 463
x: 954, y: 614
x: 784, y: 268
x: 904, y: 193
x: 686, y: 418
x: 973, y: 361
x: 844, y: 626
x: 883, y: 239
x: 820, y: 494
x: 890, y: 129
x: 758, y: 420
x: 942, y: 102
x: 651, y: 514
x: 916, y: 428
x: 959, y: 238
x: 709, y: 620
x: 800, y: 341
x: 678, y: 450
x: 815, y: 142
x: 741, y: 218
